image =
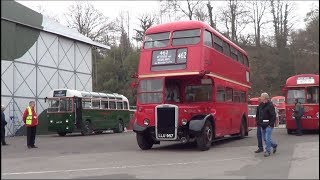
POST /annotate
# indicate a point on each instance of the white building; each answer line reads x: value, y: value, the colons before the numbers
x: 38, y: 55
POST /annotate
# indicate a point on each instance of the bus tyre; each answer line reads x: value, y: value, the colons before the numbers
x: 205, y: 138
x: 98, y: 132
x: 289, y: 131
x: 87, y: 129
x: 120, y: 128
x: 242, y: 133
x: 144, y: 142
x: 62, y: 133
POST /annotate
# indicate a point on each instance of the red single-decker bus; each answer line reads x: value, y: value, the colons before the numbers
x: 305, y: 88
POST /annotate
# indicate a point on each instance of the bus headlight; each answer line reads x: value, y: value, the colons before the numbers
x: 67, y: 127
x: 146, y: 122
x: 67, y: 120
x: 184, y: 122
x: 51, y: 121
x: 317, y: 115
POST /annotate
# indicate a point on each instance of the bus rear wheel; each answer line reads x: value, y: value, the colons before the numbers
x: 205, y: 138
x: 62, y: 133
x: 144, y: 142
x: 289, y: 131
x: 120, y: 128
x: 87, y: 129
x: 242, y: 133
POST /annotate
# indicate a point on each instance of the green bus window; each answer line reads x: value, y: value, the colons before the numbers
x: 96, y: 104
x: 112, y: 105
x: 125, y: 105
x: 104, y: 105
x: 119, y: 105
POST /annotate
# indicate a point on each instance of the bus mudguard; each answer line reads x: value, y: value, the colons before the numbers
x: 197, y: 122
x: 137, y: 128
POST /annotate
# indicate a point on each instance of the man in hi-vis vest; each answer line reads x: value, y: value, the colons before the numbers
x: 30, y: 119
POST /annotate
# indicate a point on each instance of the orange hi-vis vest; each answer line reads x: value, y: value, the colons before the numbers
x: 29, y: 117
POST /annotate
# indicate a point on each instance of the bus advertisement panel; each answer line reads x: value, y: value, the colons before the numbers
x: 305, y: 88
x: 87, y: 112
x: 192, y: 86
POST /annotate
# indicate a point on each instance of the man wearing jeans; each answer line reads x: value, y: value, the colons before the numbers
x: 259, y: 133
x: 267, y: 118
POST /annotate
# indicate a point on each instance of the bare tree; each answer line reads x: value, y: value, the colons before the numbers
x: 177, y: 6
x: 146, y: 21
x: 89, y: 21
x: 42, y: 10
x: 256, y: 15
x: 212, y: 23
x: 280, y: 11
x: 235, y: 17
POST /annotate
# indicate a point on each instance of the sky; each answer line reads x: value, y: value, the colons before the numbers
x: 111, y: 9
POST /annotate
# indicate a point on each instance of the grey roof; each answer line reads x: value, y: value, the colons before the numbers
x: 18, y: 13
x: 52, y: 26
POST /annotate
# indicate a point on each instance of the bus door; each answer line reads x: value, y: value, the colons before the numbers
x: 78, y: 111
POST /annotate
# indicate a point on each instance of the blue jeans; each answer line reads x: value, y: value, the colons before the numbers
x: 267, y: 133
x: 259, y: 137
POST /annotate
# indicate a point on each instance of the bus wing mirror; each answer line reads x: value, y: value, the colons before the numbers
x: 45, y: 99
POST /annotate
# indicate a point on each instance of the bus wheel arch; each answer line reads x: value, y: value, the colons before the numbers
x: 62, y: 133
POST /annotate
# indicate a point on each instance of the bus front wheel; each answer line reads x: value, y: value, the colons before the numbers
x: 62, y: 133
x: 144, y: 142
x: 205, y: 138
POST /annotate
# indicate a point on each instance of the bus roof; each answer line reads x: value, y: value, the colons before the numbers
x: 278, y: 97
x: 303, y: 80
x: 76, y: 93
x: 191, y: 24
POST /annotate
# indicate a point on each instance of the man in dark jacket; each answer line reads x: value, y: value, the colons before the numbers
x: 297, y: 116
x: 259, y: 129
x: 3, y: 125
x: 267, y: 118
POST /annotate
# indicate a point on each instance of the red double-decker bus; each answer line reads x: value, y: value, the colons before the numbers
x: 280, y: 104
x: 305, y: 88
x: 192, y: 86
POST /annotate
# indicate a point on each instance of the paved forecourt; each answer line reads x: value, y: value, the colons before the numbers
x: 117, y: 156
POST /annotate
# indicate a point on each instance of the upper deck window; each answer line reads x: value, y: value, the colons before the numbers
x: 156, y: 40
x: 207, y: 38
x: 218, y: 45
x: 186, y: 37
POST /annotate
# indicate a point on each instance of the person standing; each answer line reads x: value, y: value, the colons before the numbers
x: 3, y: 125
x: 30, y: 119
x: 259, y: 129
x: 297, y: 116
x: 267, y: 118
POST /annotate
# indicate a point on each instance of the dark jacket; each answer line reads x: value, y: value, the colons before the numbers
x: 266, y: 111
x: 3, y: 119
x: 257, y: 114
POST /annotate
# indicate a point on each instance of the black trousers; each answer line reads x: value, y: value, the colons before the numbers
x: 3, y: 135
x: 31, y: 135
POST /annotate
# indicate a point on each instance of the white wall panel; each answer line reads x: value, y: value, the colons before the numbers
x: 66, y: 54
x: 82, y: 80
x: 24, y: 80
x: 47, y: 80
x: 83, y: 57
x: 6, y: 77
x: 48, y: 50
x: 66, y: 80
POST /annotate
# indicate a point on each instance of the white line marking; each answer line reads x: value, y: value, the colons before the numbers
x: 121, y: 167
